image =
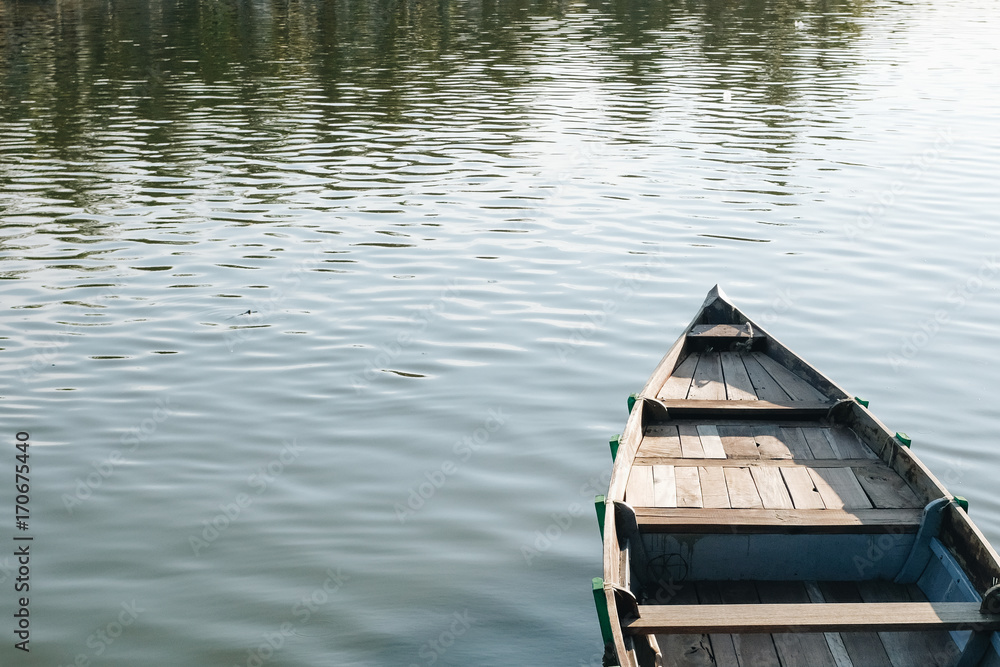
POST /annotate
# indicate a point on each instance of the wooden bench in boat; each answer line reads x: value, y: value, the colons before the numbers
x: 681, y: 408
x: 790, y: 521
x: 827, y: 617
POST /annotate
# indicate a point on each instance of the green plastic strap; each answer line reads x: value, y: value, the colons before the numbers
x: 599, y: 505
x: 861, y: 401
x: 631, y: 401
x: 602, y: 610
x: 904, y: 439
x: 614, y: 442
x: 962, y: 502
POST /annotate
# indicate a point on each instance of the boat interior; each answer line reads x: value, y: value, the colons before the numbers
x: 761, y: 516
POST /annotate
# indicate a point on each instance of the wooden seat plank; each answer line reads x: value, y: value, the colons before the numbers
x: 795, y: 442
x: 738, y: 384
x: 769, y: 443
x: 891, y: 617
x: 802, y: 489
x: 660, y: 440
x: 664, y: 486
x: 721, y: 331
x: 776, y: 521
x: 738, y: 442
x: 679, y: 382
x: 771, y: 487
x: 781, y: 409
x: 714, y: 493
x: 796, y: 388
x: 818, y: 443
x: 839, y: 488
x: 688, y: 487
x: 763, y: 384
x: 708, y: 383
x: 711, y: 443
x: 873, y: 464
x: 691, y: 442
x: 886, y: 488
x: 639, y: 489
x: 742, y: 490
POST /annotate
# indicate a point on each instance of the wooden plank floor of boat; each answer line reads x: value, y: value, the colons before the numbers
x: 768, y: 476
x: 731, y: 465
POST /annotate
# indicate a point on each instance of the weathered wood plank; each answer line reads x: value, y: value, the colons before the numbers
x: 796, y: 443
x: 683, y: 650
x: 767, y: 463
x: 773, y: 410
x: 679, y: 382
x: 763, y: 384
x: 639, y: 490
x: 886, y: 489
x: 839, y: 488
x: 738, y: 384
x: 796, y: 388
x: 711, y: 443
x: 742, y: 490
x: 688, y: 487
x: 738, y: 442
x: 714, y: 493
x: 723, y: 648
x: 777, y: 521
x: 664, y: 486
x: 721, y: 331
x: 771, y: 487
x: 708, y: 383
x: 834, y: 640
x: 802, y: 489
x: 754, y: 649
x: 691, y: 442
x: 660, y: 440
x: 830, y: 617
x: 847, y: 444
x: 907, y: 647
x: 864, y: 648
x: 807, y: 648
x: 769, y: 443
x: 818, y: 443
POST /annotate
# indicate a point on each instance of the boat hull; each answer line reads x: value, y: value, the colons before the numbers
x: 749, y: 490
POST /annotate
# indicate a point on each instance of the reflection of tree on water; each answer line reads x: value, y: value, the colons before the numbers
x: 169, y: 85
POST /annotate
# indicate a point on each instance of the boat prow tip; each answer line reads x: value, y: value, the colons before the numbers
x: 715, y: 293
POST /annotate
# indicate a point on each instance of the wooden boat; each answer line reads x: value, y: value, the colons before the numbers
x: 757, y: 514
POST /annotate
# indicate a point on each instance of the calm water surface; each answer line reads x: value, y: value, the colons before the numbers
x: 320, y: 314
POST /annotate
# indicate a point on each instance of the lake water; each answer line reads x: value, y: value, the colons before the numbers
x: 464, y: 232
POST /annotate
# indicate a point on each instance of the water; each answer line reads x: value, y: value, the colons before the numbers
x: 464, y: 232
